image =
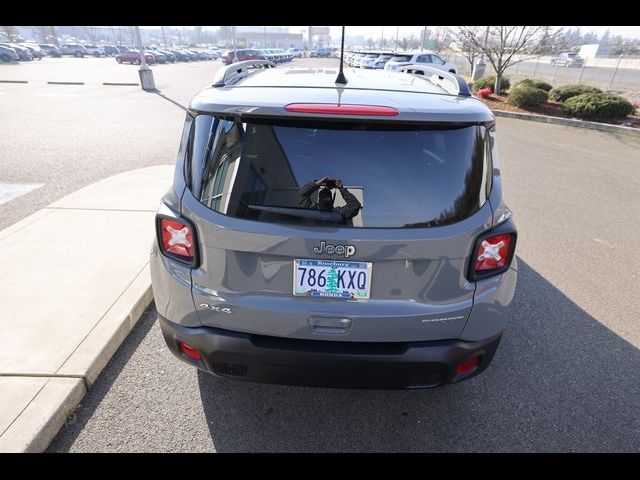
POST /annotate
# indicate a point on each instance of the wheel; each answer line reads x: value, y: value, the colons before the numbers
x: 118, y: 59
x: 136, y: 61
x: 79, y: 54
x: 5, y: 58
x: 96, y: 54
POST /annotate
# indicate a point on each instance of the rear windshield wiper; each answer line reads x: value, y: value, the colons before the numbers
x: 333, y: 217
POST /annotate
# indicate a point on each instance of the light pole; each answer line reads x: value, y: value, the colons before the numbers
x: 424, y: 37
x: 235, y: 51
x: 146, y: 74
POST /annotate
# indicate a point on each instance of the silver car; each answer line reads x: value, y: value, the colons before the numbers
x: 342, y: 237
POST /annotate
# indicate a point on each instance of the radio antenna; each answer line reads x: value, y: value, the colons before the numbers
x: 341, y: 79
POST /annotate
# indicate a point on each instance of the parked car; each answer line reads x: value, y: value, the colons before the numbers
x: 202, y: 55
x: 8, y: 54
x: 74, y: 49
x: 170, y: 56
x: 133, y: 56
x: 419, y: 58
x: 23, y: 53
x: 382, y: 60
x: 368, y: 60
x: 94, y: 50
x: 244, y: 54
x: 296, y: 52
x: 158, y: 56
x: 568, y: 59
x: 279, y: 257
x: 50, y: 49
x: 36, y: 51
x: 320, y: 52
x: 110, y: 50
x: 181, y: 56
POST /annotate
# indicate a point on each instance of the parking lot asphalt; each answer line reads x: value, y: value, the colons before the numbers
x: 64, y: 137
x: 564, y: 377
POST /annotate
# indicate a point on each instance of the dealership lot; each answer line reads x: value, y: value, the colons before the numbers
x: 563, y: 378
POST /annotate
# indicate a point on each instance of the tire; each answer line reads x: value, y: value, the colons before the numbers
x: 5, y: 58
x: 136, y: 61
x: 118, y: 59
x: 79, y: 54
x: 96, y: 54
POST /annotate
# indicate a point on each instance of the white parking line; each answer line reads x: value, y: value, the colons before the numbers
x: 10, y: 191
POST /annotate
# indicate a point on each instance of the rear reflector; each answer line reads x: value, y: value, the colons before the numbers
x: 177, y: 238
x: 189, y: 351
x: 466, y: 367
x: 342, y: 109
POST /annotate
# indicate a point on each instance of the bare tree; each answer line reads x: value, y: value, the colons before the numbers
x: 440, y: 38
x: 467, y: 48
x: 92, y: 32
x: 408, y: 42
x: 11, y: 33
x: 503, y: 43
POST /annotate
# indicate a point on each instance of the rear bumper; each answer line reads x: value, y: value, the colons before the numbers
x: 259, y: 358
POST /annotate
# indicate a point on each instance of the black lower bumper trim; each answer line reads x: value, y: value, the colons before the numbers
x: 319, y: 363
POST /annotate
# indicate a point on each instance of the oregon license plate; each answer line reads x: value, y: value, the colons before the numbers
x: 328, y: 278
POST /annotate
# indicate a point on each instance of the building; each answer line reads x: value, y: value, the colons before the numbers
x: 261, y: 37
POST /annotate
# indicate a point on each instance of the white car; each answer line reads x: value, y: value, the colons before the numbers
x: 295, y: 52
x: 95, y: 50
x: 368, y: 60
x: 421, y: 58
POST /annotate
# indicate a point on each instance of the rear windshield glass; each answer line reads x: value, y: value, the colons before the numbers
x: 351, y: 175
x: 401, y: 58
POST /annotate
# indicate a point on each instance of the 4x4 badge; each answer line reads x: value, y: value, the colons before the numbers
x: 328, y: 249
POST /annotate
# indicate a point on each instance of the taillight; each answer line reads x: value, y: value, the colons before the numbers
x: 492, y: 255
x: 177, y: 239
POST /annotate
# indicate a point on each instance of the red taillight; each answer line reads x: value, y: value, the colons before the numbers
x: 466, y: 367
x: 342, y: 109
x: 177, y: 238
x: 492, y: 253
x: 189, y: 351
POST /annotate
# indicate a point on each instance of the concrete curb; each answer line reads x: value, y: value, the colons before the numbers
x: 603, y: 127
x: 97, y: 307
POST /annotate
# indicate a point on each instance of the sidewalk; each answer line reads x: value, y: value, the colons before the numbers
x: 75, y: 280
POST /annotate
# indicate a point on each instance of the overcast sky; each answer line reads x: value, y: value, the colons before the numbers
x: 390, y: 31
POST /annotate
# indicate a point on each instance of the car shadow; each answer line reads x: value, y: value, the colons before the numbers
x: 560, y: 381
x: 81, y: 415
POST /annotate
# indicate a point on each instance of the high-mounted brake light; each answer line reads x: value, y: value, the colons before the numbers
x: 492, y: 255
x: 342, y: 109
x: 176, y: 239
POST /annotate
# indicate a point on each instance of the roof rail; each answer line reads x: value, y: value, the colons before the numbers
x: 452, y: 83
x: 238, y: 70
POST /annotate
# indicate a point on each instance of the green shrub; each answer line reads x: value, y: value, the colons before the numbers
x: 535, y: 83
x: 524, y: 95
x: 598, y: 105
x: 563, y: 93
x: 490, y: 82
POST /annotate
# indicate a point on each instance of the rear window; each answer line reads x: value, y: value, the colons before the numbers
x: 401, y: 58
x: 391, y: 178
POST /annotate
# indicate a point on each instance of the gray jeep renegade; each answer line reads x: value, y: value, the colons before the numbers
x: 346, y: 234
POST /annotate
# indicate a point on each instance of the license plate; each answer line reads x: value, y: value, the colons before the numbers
x: 328, y: 278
